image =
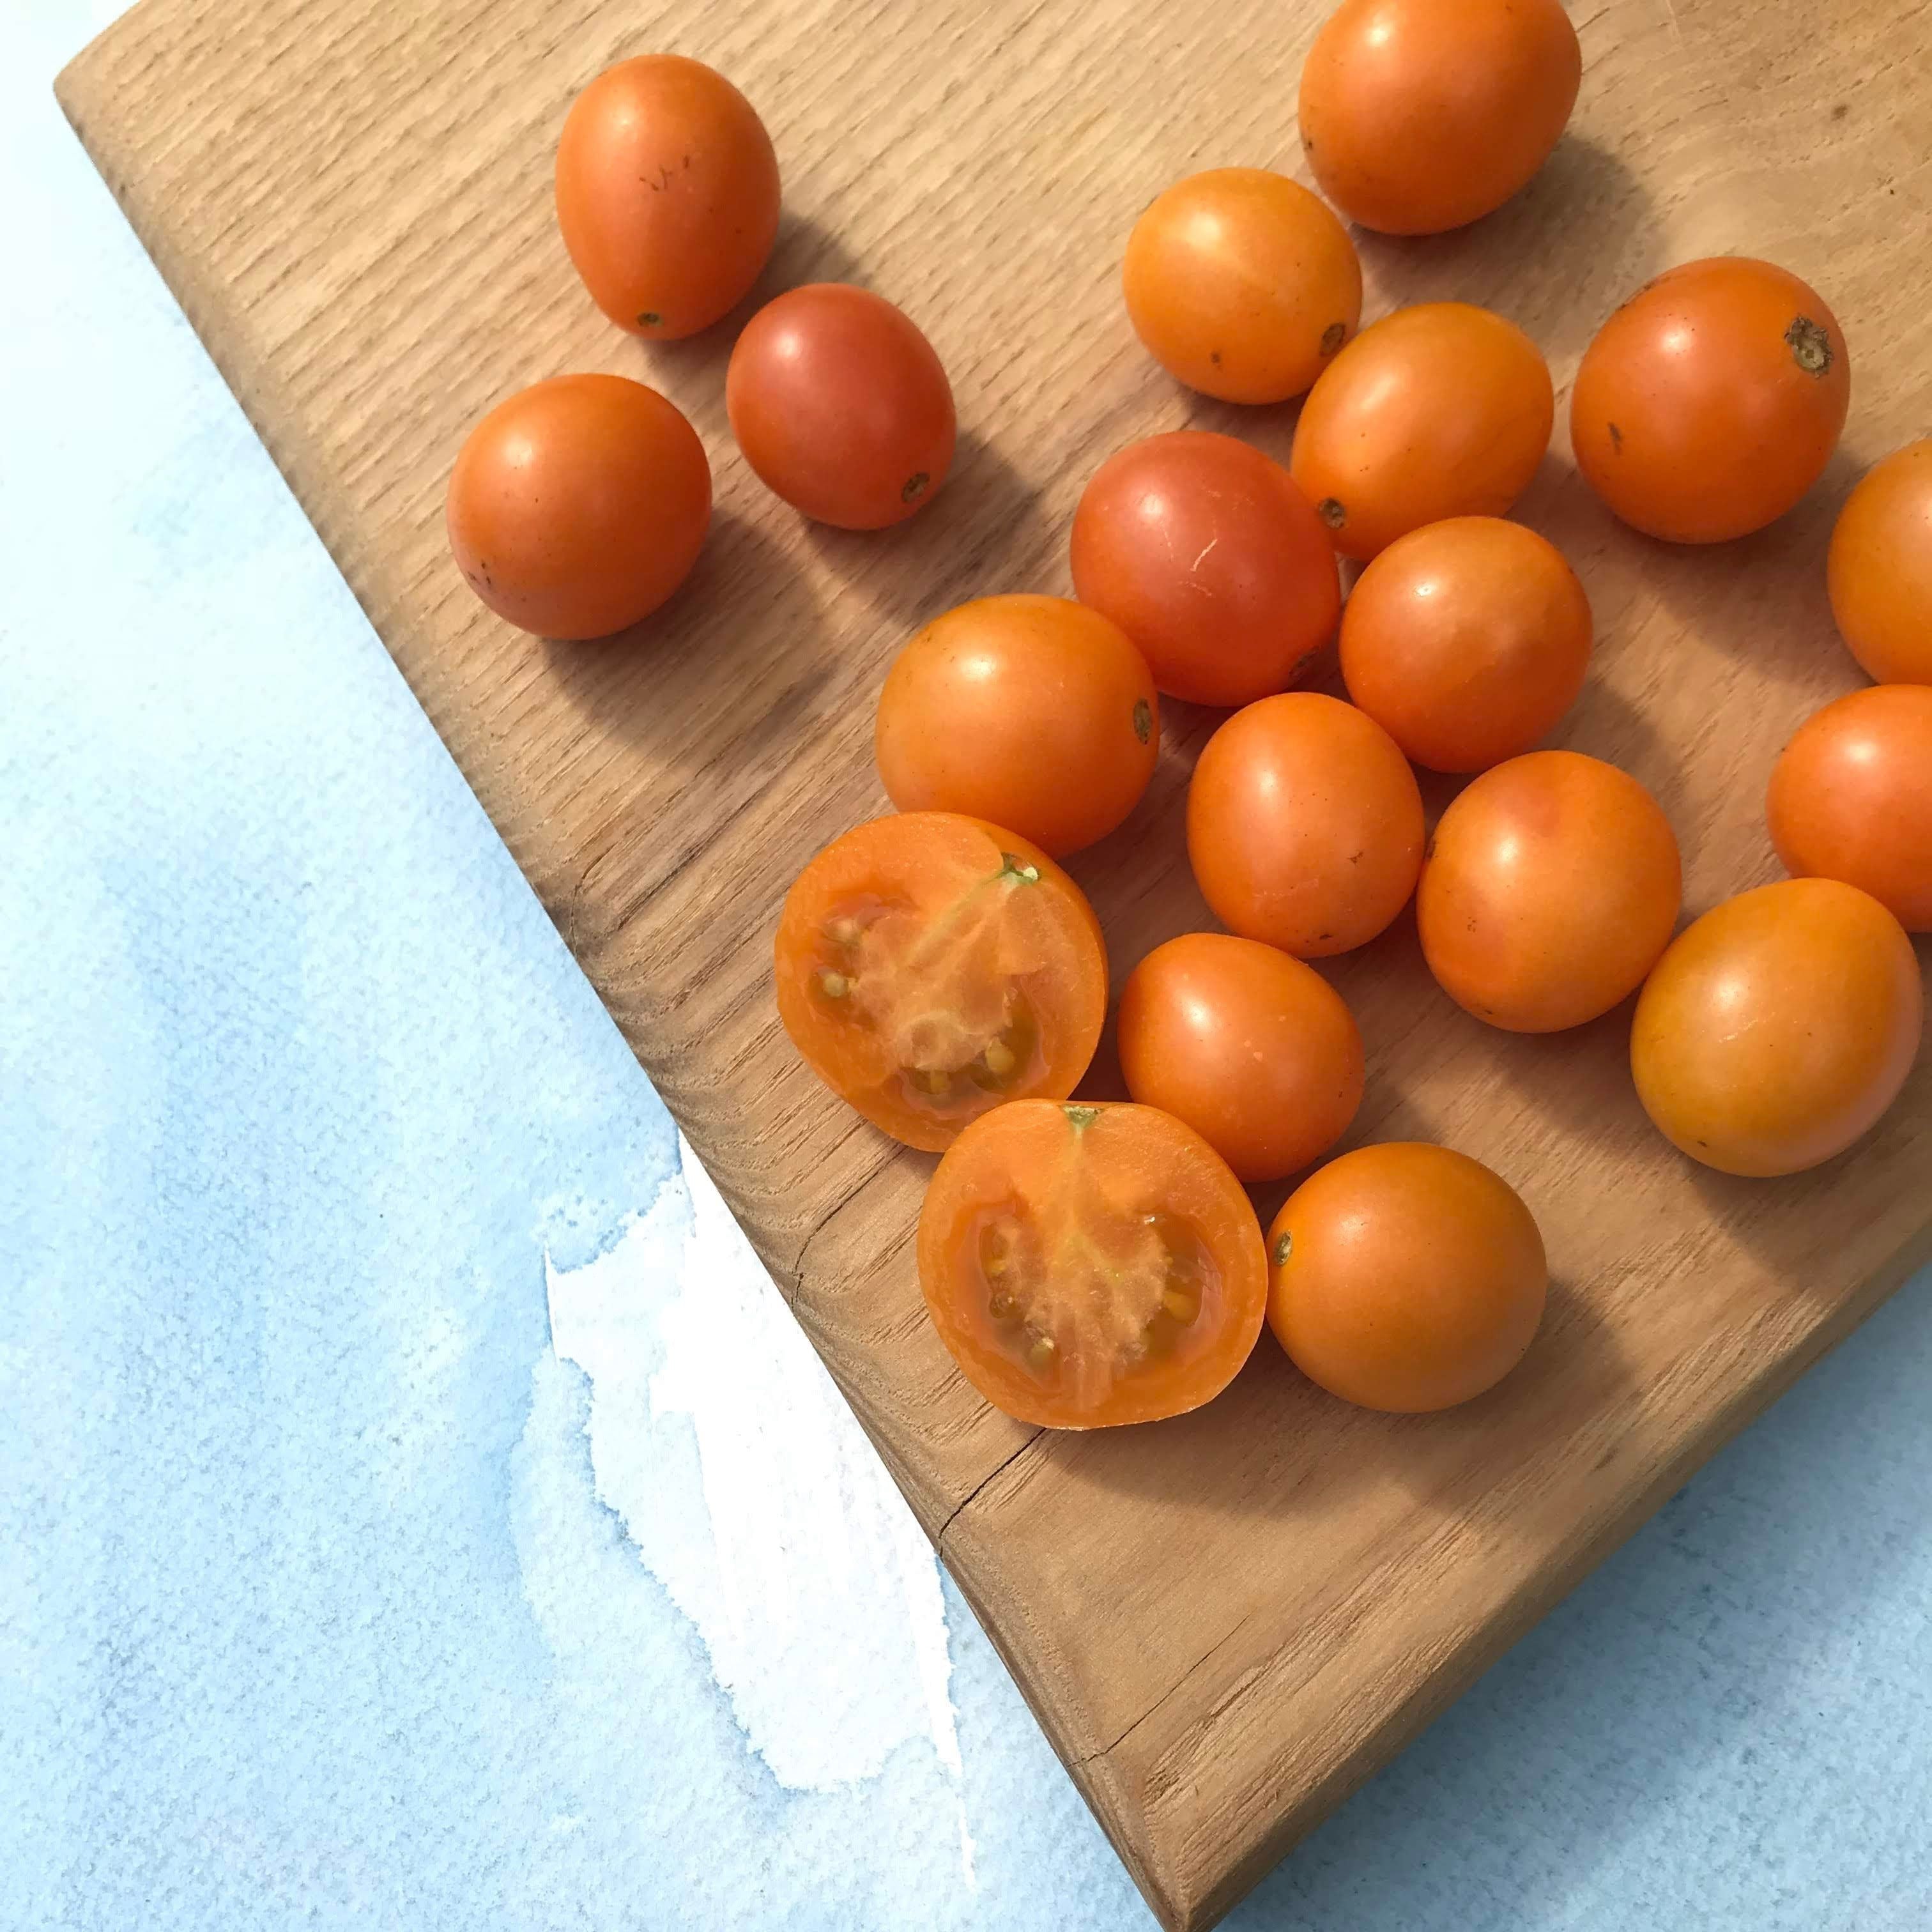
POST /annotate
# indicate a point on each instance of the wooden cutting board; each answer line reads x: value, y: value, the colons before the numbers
x: 1225, y: 1623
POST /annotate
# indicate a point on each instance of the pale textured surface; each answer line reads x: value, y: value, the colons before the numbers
x: 305, y: 1089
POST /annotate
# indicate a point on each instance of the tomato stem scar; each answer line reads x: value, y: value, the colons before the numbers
x: 1143, y: 719
x: 1283, y: 1248
x: 1331, y: 512
x: 1810, y: 345
x: 1081, y: 1117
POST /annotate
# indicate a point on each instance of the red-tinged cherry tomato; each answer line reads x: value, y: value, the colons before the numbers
x: 1779, y: 1028
x: 1034, y: 712
x: 1241, y: 284
x: 1255, y: 1050
x: 1851, y: 799
x: 1711, y: 400
x: 1551, y: 886
x: 1090, y: 1265
x: 576, y: 507
x: 1880, y: 568
x: 1205, y: 553
x: 930, y: 967
x: 840, y: 406
x: 1420, y: 115
x: 1405, y: 1277
x: 667, y: 194
x: 1304, y: 825
x: 1440, y: 410
x: 1466, y: 640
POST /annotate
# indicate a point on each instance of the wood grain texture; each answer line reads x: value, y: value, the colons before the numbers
x: 1224, y: 1623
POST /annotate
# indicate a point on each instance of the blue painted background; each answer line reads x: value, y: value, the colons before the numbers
x: 313, y: 1609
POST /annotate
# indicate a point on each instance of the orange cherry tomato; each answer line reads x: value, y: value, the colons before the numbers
x: 1204, y: 552
x: 1255, y: 1052
x: 1851, y: 799
x: 1241, y: 284
x: 1711, y: 400
x: 1440, y: 410
x: 930, y: 967
x: 840, y: 406
x: 1466, y: 640
x: 1778, y: 1027
x: 1035, y: 712
x: 1091, y: 1265
x: 1550, y: 888
x: 1880, y: 568
x: 1304, y: 824
x: 1405, y: 1277
x: 576, y: 507
x: 667, y: 194
x: 1418, y: 116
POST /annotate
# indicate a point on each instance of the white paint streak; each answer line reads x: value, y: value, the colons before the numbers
x: 814, y: 1591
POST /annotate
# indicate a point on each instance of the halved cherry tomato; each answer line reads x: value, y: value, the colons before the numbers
x: 1440, y: 410
x: 931, y: 966
x: 1711, y: 400
x: 1405, y: 1277
x: 667, y: 192
x: 577, y: 506
x: 1851, y: 799
x: 1304, y: 824
x: 1551, y: 886
x: 1091, y: 1265
x: 1205, y: 553
x: 1880, y: 568
x: 1255, y: 1050
x: 840, y: 406
x: 1779, y: 1028
x: 1241, y: 284
x: 1466, y: 640
x: 1035, y: 712
x: 1418, y: 116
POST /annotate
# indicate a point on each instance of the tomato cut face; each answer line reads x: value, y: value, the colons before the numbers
x: 931, y: 966
x: 1091, y: 1265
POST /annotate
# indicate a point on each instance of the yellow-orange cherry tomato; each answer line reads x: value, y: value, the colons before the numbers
x: 1711, y: 400
x: 1851, y: 799
x: 1779, y: 1028
x: 930, y: 967
x: 577, y: 506
x: 1205, y: 553
x: 1241, y: 284
x: 1034, y: 712
x: 1088, y: 1266
x: 1440, y: 410
x: 1880, y: 568
x: 1255, y: 1050
x: 1405, y: 1277
x: 1466, y: 640
x: 1304, y: 824
x: 1551, y: 886
x: 667, y: 192
x: 1418, y: 116
x: 840, y: 406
